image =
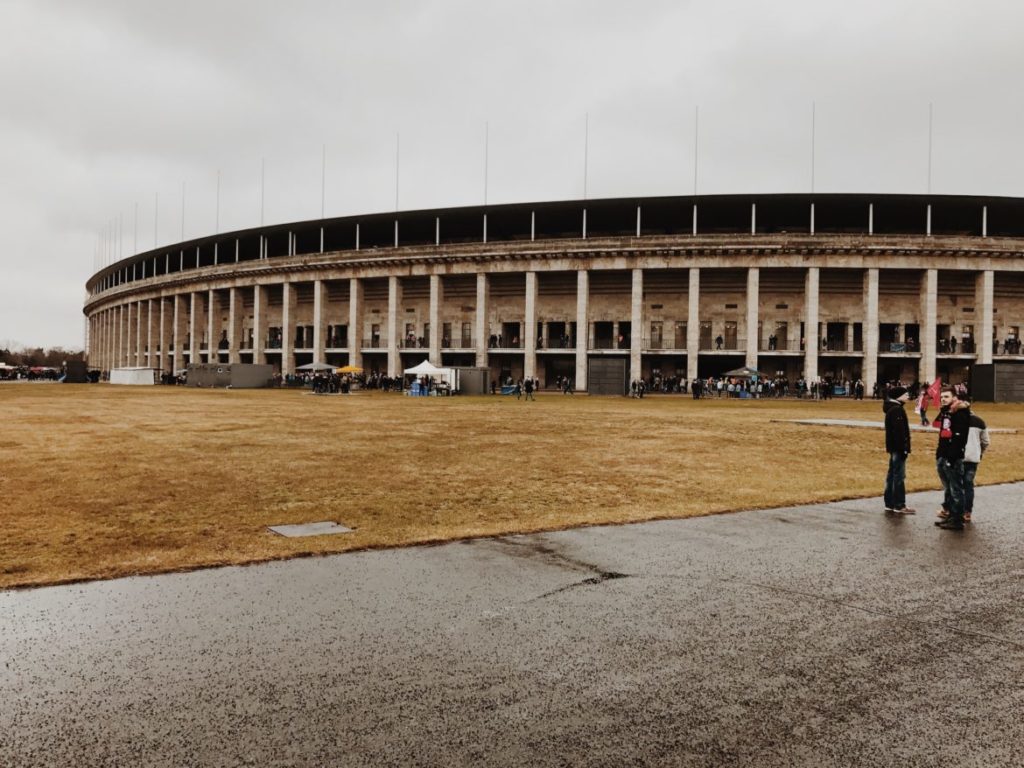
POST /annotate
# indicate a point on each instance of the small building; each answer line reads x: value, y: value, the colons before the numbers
x: 233, y: 375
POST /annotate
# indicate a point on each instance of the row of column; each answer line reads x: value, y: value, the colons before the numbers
x: 121, y: 335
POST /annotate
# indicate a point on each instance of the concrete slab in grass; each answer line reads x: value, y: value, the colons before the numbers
x: 872, y: 424
x: 310, y: 529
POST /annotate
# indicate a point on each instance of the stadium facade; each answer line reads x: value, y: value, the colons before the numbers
x: 877, y: 287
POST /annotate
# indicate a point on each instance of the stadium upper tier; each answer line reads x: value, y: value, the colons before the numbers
x: 707, y: 216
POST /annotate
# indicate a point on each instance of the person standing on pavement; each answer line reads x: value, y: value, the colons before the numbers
x: 897, y: 445
x: 977, y: 443
x: 954, y: 424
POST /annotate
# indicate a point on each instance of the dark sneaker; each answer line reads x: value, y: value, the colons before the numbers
x: 949, y: 525
x: 905, y: 511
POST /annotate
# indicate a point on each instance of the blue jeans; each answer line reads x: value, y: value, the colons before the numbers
x: 895, y: 489
x: 970, y: 470
x: 951, y: 473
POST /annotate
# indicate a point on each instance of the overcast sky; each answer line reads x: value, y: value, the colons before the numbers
x: 106, y: 105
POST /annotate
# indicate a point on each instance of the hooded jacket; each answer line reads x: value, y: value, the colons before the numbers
x: 977, y: 440
x: 954, y: 424
x: 897, y: 427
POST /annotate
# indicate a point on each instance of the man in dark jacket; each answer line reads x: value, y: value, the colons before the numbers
x: 897, y: 445
x: 954, y: 424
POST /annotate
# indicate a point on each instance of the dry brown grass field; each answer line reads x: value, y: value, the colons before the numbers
x: 103, y: 481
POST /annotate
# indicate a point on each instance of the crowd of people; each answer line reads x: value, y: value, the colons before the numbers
x: 751, y: 387
x: 30, y: 373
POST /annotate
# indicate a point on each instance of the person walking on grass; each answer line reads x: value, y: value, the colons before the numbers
x: 954, y: 424
x: 897, y: 445
x: 922, y: 406
x: 528, y: 386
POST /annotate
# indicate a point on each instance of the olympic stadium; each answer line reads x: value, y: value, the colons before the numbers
x: 847, y: 286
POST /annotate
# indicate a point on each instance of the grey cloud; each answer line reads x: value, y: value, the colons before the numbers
x: 107, y: 103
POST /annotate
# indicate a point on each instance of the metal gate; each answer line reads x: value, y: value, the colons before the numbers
x: 608, y: 376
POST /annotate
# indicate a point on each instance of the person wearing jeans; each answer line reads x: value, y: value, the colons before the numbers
x: 897, y: 445
x: 954, y: 423
x: 977, y: 443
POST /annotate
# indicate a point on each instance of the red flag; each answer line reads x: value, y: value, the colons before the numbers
x: 934, y: 390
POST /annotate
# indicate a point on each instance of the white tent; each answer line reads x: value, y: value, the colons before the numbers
x: 427, y: 369
x: 136, y: 376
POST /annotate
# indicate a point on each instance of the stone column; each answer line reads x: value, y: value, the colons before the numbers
x: 212, y: 327
x: 288, y: 300
x: 235, y: 308
x: 194, y: 328
x: 150, y: 349
x: 435, y: 320
x: 929, y: 317
x: 140, y: 341
x: 355, y: 322
x: 753, y: 297
x: 870, y: 371
x: 582, y: 328
x: 179, y: 333
x: 984, y: 290
x: 119, y: 349
x: 260, y: 323
x: 636, y: 326
x: 319, y: 321
x: 394, y: 333
x: 116, y: 332
x: 108, y: 339
x: 128, y: 351
x: 693, y: 324
x: 482, y: 330
x: 117, y: 337
x: 165, y: 334
x: 811, y: 343
x: 530, y: 327
x: 105, y: 338
x: 125, y: 333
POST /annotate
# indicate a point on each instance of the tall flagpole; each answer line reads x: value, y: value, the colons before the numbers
x: 696, y: 134
x: 136, y: 226
x: 156, y: 216
x: 812, y: 144
x: 487, y: 132
x: 586, y: 151
x: 323, y: 183
x: 263, y: 187
x: 216, y: 220
x: 929, y: 148
x: 398, y: 157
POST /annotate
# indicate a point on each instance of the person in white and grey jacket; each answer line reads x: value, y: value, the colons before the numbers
x: 977, y: 443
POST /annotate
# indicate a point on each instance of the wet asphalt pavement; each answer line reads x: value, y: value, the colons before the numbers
x: 812, y: 636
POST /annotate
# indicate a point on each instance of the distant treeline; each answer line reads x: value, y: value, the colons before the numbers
x: 54, y: 357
